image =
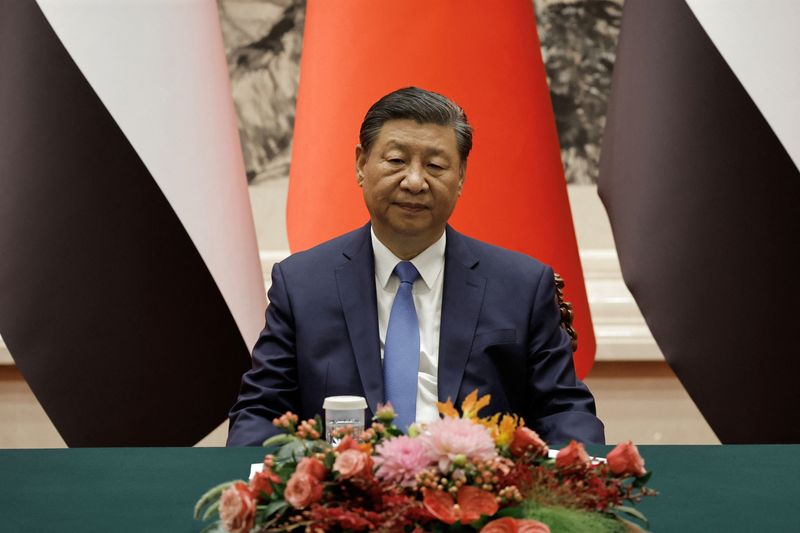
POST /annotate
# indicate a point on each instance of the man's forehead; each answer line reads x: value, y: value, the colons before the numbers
x: 409, y: 133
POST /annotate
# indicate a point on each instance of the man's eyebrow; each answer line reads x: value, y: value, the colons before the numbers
x: 392, y: 143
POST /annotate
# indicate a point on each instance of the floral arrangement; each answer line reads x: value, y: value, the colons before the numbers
x: 459, y: 473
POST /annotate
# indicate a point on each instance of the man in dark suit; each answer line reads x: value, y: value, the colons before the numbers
x: 406, y: 308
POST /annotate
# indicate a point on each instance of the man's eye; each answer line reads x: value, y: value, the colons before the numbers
x: 396, y: 161
x: 435, y: 167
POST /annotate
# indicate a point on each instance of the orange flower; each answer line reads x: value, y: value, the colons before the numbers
x: 472, y: 404
x: 504, y: 430
x: 469, y: 407
x: 447, y: 409
x: 472, y: 504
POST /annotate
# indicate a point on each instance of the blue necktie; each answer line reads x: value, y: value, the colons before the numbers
x: 401, y: 350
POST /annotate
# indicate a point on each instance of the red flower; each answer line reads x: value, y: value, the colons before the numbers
x: 237, y: 508
x: 347, y: 443
x: 573, y: 456
x: 513, y: 525
x: 302, y: 490
x: 312, y: 467
x: 527, y: 440
x: 472, y: 504
x: 624, y: 460
x: 262, y: 482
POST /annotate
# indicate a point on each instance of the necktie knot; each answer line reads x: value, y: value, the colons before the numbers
x: 407, y: 272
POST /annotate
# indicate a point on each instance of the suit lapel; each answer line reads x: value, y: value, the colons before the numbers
x: 462, y: 297
x: 355, y: 280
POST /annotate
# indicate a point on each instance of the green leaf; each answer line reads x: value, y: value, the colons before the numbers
x: 213, y: 508
x: 213, y: 527
x: 209, y: 496
x: 630, y: 511
x: 329, y: 460
x: 278, y: 440
x: 513, y: 512
x: 320, y: 446
x: 641, y: 481
x: 275, y: 507
x: 285, y: 469
x: 292, y: 450
x: 632, y: 526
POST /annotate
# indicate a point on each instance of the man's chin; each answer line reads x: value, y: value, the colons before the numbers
x: 417, y: 232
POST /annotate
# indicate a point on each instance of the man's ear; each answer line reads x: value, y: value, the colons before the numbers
x: 361, y: 160
x: 461, y: 175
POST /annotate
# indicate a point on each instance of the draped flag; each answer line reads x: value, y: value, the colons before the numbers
x: 483, y: 55
x: 130, y: 280
x: 699, y: 174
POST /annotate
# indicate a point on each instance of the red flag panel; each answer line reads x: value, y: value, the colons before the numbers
x: 484, y: 56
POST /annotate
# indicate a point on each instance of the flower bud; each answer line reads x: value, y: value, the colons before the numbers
x: 385, y: 413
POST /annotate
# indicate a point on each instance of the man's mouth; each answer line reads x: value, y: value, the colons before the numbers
x: 412, y: 207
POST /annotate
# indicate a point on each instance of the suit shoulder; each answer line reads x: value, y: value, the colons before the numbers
x: 513, y: 264
x: 329, y: 252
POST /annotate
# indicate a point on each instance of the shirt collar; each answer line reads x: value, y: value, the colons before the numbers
x: 429, y: 263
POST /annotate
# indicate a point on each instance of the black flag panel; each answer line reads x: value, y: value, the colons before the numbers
x: 107, y: 308
x: 703, y: 201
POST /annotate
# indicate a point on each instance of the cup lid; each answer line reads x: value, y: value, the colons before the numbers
x: 344, y: 403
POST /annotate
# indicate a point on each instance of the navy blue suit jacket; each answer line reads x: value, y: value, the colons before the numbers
x: 499, y: 334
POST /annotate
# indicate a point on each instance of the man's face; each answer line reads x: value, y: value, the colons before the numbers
x: 411, y: 179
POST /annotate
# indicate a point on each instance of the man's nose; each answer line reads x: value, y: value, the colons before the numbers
x: 414, y: 180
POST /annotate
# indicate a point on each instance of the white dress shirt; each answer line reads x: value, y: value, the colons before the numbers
x: 427, y: 293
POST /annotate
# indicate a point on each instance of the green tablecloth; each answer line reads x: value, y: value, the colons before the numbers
x: 703, y: 488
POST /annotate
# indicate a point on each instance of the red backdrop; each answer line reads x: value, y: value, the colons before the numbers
x: 483, y: 55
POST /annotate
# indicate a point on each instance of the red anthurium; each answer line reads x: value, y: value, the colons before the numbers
x: 440, y: 505
x: 501, y: 525
x: 513, y: 525
x: 472, y: 504
x: 532, y: 526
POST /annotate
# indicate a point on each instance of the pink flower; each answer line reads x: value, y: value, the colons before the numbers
x: 237, y: 508
x: 302, y: 490
x: 457, y: 438
x: 399, y: 460
x: 353, y: 464
x: 625, y: 460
